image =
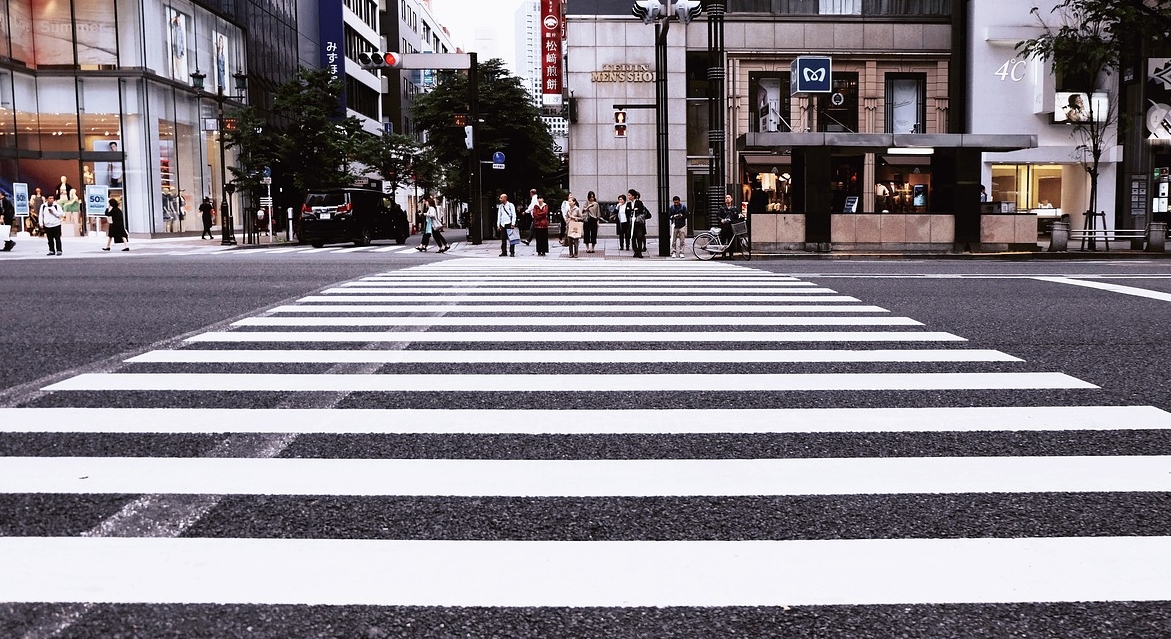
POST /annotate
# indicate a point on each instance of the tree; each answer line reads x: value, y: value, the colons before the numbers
x: 509, y: 123
x: 392, y: 156
x: 1088, y: 43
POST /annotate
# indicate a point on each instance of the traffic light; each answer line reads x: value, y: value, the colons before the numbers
x: 619, y: 124
x: 468, y: 140
x: 380, y: 60
x: 647, y: 10
x: 688, y: 10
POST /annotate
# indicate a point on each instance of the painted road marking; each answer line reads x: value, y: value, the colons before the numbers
x: 293, y: 337
x: 579, y: 308
x: 574, y: 321
x: 1113, y: 288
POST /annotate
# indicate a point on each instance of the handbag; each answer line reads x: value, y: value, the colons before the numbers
x: 575, y: 228
x: 513, y: 236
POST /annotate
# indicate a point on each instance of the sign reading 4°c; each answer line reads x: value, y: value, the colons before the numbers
x: 811, y: 74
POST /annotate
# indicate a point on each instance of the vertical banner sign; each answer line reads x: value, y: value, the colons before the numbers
x: 20, y: 194
x: 1159, y: 98
x: 329, y: 13
x: 551, y: 79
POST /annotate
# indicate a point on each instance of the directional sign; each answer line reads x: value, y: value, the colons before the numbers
x: 811, y: 74
x: 498, y: 157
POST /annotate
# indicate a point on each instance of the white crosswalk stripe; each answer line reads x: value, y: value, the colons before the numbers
x: 629, y: 364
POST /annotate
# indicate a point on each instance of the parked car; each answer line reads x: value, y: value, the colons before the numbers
x: 351, y: 215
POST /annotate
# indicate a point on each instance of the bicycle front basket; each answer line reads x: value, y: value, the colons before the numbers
x: 740, y: 228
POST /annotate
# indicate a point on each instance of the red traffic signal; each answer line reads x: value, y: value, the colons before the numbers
x: 380, y: 60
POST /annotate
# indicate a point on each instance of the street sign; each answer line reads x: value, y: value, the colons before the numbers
x: 498, y: 157
x: 811, y: 74
x: 497, y: 166
x: 266, y: 180
x: 266, y: 201
x: 267, y: 172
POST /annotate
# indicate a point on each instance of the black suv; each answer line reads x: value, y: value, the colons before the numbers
x: 351, y: 215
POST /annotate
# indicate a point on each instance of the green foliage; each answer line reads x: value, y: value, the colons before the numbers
x: 318, y: 147
x: 392, y: 156
x: 509, y: 123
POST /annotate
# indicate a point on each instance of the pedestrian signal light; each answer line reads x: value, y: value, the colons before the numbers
x: 619, y: 124
x: 380, y: 60
x: 469, y: 141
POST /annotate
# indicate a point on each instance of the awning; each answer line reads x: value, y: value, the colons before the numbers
x: 881, y: 142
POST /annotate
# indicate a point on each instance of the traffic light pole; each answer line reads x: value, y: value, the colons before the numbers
x: 475, y: 214
x: 664, y: 156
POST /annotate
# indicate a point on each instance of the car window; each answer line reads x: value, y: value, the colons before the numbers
x: 325, y: 199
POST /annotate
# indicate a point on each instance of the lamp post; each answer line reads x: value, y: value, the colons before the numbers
x: 228, y: 231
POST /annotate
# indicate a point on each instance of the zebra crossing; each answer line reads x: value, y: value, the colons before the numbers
x: 473, y: 435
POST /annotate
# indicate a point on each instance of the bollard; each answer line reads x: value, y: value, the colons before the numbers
x: 1059, y: 237
x: 1157, y: 237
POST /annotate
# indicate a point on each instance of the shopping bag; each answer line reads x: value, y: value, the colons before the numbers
x: 513, y: 236
x: 576, y: 228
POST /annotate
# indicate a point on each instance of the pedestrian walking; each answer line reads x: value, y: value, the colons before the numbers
x: 678, y: 215
x: 506, y: 226
x: 574, y: 226
x: 34, y: 212
x: 117, y: 232
x: 7, y: 219
x: 433, y: 226
x: 622, y: 219
x: 524, y: 222
x: 427, y: 217
x: 205, y: 211
x: 638, y: 214
x: 528, y: 212
x: 541, y: 226
x: 592, y: 212
x: 51, y: 217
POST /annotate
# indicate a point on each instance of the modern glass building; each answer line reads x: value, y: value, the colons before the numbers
x: 101, y: 92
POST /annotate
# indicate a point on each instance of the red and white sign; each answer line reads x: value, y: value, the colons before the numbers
x: 551, y: 38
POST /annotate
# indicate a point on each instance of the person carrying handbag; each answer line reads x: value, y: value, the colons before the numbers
x: 574, y: 223
x: 593, y: 217
x: 638, y: 217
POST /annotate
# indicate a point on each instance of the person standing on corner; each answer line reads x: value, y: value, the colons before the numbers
x: 678, y: 215
x: 622, y: 219
x: 505, y: 220
x: 528, y: 212
x: 541, y: 226
x: 574, y: 225
x: 205, y: 210
x: 638, y: 217
x: 7, y: 218
x: 593, y: 217
x: 50, y: 217
x: 117, y: 231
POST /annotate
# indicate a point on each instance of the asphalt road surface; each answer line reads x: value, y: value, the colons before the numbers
x: 405, y: 445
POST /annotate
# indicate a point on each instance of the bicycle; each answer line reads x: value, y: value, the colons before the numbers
x: 707, y: 244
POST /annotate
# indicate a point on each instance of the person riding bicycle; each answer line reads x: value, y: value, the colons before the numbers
x: 729, y: 214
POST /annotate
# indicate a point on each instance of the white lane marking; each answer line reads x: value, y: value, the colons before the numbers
x: 294, y: 249
x: 347, y: 295
x: 652, y: 382
x: 575, y: 321
x: 383, y: 249
x: 578, y: 308
x: 504, y: 287
x: 293, y: 337
x: 325, y: 249
x: 265, y: 356
x: 1113, y: 288
x: 632, y: 283
x: 329, y: 572
x: 568, y: 422
x: 583, y: 477
x: 353, y: 249
x: 559, y: 278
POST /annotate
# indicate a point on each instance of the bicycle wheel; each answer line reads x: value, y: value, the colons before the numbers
x: 703, y: 245
x: 741, y: 249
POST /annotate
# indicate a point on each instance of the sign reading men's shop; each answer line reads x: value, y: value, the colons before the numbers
x: 623, y: 73
x: 551, y: 35
x: 811, y: 74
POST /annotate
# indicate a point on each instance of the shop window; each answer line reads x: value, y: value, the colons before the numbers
x: 846, y: 184
x: 840, y: 7
x: 97, y: 36
x: 19, y: 21
x: 902, y: 184
x: 906, y: 102
x: 1027, y: 186
x: 769, y: 110
x: 837, y: 112
x: 53, y: 36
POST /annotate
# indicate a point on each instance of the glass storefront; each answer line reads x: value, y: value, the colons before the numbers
x: 83, y: 103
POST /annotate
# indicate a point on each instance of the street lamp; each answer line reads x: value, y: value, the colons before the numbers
x: 228, y: 232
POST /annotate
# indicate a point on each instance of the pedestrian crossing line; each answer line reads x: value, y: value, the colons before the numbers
x: 678, y: 291
x: 965, y: 419
x: 349, y: 295
x: 293, y: 337
x: 627, y: 383
x: 1113, y: 288
x: 384, y: 249
x: 679, y: 284
x: 575, y: 574
x: 560, y: 478
x: 573, y: 321
x: 579, y: 308
x: 415, y: 357
x: 325, y: 249
x: 558, y: 277
x: 353, y: 249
